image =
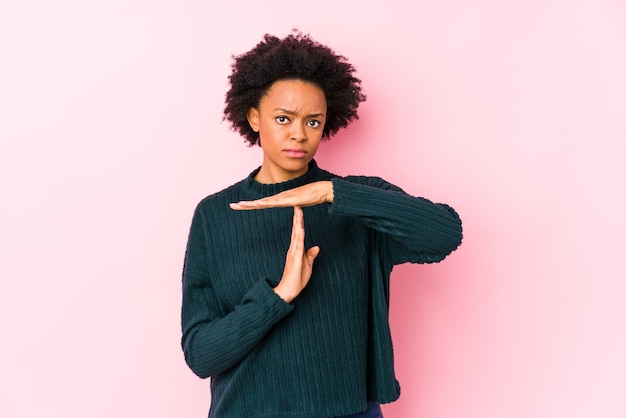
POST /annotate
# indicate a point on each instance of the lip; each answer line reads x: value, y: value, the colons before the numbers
x: 295, y: 153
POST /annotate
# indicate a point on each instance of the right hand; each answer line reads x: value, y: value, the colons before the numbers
x: 298, y: 263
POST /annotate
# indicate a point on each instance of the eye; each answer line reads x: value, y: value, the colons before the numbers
x: 282, y: 119
x: 314, y: 123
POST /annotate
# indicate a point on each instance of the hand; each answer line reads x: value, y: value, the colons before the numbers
x: 298, y: 263
x: 308, y: 195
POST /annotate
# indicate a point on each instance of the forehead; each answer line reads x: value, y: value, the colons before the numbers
x: 294, y: 92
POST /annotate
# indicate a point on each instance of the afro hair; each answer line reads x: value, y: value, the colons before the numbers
x: 296, y: 57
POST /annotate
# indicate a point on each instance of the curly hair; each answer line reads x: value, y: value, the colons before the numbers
x: 296, y: 57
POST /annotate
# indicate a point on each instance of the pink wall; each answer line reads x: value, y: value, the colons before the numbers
x: 513, y: 112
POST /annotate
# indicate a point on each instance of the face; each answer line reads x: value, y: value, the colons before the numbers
x: 290, y: 122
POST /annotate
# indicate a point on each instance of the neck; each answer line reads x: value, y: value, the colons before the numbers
x: 267, y: 176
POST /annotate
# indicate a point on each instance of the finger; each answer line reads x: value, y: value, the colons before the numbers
x: 294, y: 228
x: 258, y: 204
x: 270, y: 202
x: 288, y: 198
x: 248, y: 205
x: 311, y: 254
x: 298, y: 216
x: 298, y: 221
x: 236, y: 206
x: 296, y: 246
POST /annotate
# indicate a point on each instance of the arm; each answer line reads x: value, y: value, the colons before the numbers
x: 419, y: 230
x: 214, y: 341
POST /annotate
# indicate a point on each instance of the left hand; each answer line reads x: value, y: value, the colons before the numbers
x: 308, y: 195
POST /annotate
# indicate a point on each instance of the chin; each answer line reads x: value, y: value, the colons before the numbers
x: 296, y: 167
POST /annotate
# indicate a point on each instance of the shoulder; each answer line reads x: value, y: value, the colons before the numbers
x: 222, y: 198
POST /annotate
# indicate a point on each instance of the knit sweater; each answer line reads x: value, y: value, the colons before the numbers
x: 328, y: 352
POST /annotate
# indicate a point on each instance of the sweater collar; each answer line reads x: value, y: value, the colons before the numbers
x: 255, y: 188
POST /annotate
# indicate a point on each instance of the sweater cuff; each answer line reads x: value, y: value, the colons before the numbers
x: 272, y: 304
x: 345, y: 194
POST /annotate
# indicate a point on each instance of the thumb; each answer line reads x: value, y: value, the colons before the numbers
x: 312, y: 253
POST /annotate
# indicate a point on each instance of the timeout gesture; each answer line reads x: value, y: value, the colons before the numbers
x: 299, y: 260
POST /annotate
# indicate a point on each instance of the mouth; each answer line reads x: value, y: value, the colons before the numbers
x: 295, y: 153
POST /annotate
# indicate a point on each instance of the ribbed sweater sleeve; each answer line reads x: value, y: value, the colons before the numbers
x: 213, y: 342
x: 419, y: 230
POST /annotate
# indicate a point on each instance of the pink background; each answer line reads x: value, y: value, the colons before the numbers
x: 513, y: 112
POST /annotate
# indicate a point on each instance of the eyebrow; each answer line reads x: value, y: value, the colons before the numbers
x: 291, y: 112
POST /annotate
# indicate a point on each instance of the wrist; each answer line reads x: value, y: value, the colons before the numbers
x: 283, y: 293
x: 330, y: 192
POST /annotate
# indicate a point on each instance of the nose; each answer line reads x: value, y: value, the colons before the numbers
x: 298, y: 132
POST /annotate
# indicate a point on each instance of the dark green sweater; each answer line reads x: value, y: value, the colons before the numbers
x: 329, y: 351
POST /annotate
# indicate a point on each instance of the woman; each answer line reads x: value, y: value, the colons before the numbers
x: 289, y: 323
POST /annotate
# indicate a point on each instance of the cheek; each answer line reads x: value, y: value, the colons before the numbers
x: 316, y: 134
x: 270, y: 126
x: 266, y: 130
x: 315, y: 143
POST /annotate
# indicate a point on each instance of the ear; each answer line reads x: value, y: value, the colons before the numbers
x: 253, y: 118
